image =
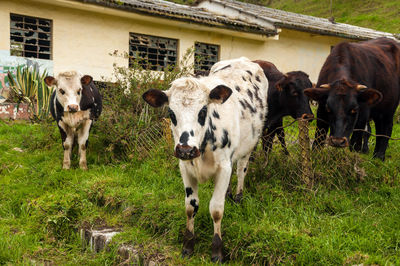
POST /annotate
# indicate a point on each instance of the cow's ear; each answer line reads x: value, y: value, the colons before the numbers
x: 220, y: 94
x: 316, y: 94
x: 50, y: 81
x: 155, y: 98
x: 279, y: 85
x: 370, y: 96
x: 86, y: 79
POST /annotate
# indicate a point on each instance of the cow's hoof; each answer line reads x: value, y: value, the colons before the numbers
x: 229, y: 195
x: 83, y: 165
x: 239, y: 197
x: 66, y: 166
x: 365, y: 151
x: 252, y: 158
x: 379, y: 156
x: 186, y: 253
x: 216, y: 259
x: 216, y: 255
x: 188, y: 244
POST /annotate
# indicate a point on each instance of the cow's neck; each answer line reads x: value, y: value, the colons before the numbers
x: 204, y: 166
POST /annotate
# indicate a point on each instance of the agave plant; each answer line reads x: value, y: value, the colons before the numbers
x: 28, y: 86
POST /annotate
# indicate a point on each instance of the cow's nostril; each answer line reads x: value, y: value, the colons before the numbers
x: 186, y: 152
x: 338, y: 142
x: 307, y: 116
x: 73, y: 108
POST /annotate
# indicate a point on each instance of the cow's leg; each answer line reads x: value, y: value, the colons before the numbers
x: 366, y: 136
x: 322, y: 126
x: 267, y: 139
x: 67, y: 137
x: 384, y: 127
x: 217, y: 208
x: 83, y: 135
x: 192, y: 206
x: 281, y: 136
x: 241, y: 173
x: 357, y: 136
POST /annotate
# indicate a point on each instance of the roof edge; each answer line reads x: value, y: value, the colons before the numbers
x: 281, y: 24
x: 235, y: 26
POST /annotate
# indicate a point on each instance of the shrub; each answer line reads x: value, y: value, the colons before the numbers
x: 128, y: 125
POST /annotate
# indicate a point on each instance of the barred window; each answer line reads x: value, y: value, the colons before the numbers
x: 151, y: 52
x: 30, y: 37
x: 206, y: 55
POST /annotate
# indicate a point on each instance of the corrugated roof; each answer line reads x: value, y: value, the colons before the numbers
x: 182, y: 12
x: 301, y: 22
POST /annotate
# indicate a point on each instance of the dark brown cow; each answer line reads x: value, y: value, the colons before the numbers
x: 285, y: 97
x: 358, y: 82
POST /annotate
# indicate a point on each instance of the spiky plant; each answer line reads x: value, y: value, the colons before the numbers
x: 28, y: 86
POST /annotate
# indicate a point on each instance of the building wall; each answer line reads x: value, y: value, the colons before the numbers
x: 85, y: 35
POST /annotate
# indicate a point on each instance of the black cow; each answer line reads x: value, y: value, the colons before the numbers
x: 285, y: 97
x: 358, y: 82
x: 75, y: 104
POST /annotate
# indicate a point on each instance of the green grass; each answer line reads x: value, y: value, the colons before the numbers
x: 380, y: 15
x: 343, y: 220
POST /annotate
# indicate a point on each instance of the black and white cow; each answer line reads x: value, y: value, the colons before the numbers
x: 217, y: 120
x: 75, y: 104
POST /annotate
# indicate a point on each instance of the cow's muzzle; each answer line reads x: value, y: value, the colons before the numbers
x: 186, y: 152
x: 73, y: 108
x: 307, y: 116
x: 338, y: 142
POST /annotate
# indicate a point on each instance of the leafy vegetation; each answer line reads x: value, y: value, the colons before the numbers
x: 127, y: 123
x: 28, y: 86
x: 343, y: 220
x: 380, y: 15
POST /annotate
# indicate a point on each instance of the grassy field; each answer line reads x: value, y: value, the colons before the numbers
x: 383, y: 15
x: 343, y: 220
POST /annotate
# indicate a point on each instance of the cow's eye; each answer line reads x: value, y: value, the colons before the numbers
x: 172, y: 117
x: 79, y: 92
x: 202, y: 115
x: 61, y: 91
x: 353, y: 111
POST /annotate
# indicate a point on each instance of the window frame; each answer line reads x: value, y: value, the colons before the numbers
x: 150, y: 66
x: 24, y: 50
x: 195, y: 52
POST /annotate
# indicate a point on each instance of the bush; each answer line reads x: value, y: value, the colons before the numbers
x: 128, y: 125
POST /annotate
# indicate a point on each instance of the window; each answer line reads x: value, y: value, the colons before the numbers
x: 30, y: 37
x: 103, y: 85
x: 151, y: 52
x: 205, y: 56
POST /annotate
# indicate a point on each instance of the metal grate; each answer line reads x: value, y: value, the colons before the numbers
x: 30, y: 37
x: 206, y: 55
x: 151, y: 52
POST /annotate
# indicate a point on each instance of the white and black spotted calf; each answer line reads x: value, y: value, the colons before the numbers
x: 216, y: 121
x: 75, y: 104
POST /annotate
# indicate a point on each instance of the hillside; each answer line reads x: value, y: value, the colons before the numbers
x: 383, y: 15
